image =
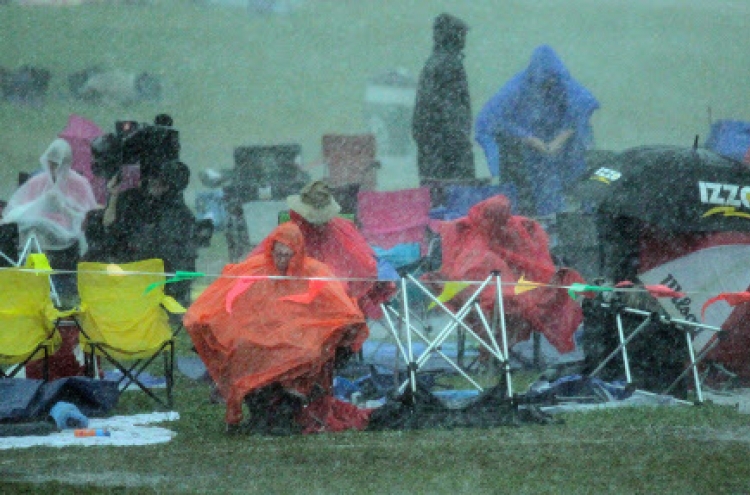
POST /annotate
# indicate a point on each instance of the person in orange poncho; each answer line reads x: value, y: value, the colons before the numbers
x: 490, y: 239
x: 272, y: 341
x: 336, y: 242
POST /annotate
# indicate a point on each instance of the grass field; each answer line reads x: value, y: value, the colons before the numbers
x: 676, y: 450
x: 232, y: 79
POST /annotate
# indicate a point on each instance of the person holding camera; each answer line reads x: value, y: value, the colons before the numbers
x: 150, y: 221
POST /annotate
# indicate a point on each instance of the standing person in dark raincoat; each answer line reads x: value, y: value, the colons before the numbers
x: 535, y: 132
x: 442, y: 119
x: 150, y: 221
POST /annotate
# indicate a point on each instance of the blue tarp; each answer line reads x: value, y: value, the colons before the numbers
x: 730, y: 138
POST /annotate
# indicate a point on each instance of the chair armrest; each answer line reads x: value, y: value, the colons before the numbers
x: 171, y: 305
x: 54, y: 314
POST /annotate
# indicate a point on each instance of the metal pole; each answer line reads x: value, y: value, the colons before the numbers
x: 412, y: 368
x: 623, y: 344
x: 503, y: 330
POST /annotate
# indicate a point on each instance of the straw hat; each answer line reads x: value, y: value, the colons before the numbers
x: 314, y: 203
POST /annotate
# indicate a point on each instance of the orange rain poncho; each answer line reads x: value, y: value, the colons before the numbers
x: 489, y: 238
x: 339, y: 245
x: 251, y: 333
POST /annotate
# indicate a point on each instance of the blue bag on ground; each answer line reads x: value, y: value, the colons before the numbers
x: 68, y: 416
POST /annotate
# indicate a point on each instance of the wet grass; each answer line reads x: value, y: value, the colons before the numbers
x: 691, y: 449
x: 234, y: 80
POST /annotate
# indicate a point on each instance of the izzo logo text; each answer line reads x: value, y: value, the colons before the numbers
x: 681, y: 304
x: 727, y: 197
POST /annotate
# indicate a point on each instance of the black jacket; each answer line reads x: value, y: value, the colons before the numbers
x: 441, y: 124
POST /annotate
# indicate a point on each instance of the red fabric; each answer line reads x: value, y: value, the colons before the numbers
x: 328, y: 414
x: 342, y: 247
x: 394, y: 217
x: 491, y: 239
x: 268, y: 339
x: 62, y: 363
x: 731, y: 298
x: 732, y: 349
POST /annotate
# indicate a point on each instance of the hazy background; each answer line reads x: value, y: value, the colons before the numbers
x: 235, y: 78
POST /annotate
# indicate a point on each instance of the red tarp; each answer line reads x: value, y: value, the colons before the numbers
x: 490, y: 239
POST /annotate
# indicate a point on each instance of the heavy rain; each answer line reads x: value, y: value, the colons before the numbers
x: 375, y: 246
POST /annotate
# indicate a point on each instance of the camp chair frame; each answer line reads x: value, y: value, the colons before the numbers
x: 32, y: 246
x: 404, y: 321
x: 47, y: 346
x: 137, y: 359
x: 43, y: 346
x: 690, y: 328
x: 130, y: 374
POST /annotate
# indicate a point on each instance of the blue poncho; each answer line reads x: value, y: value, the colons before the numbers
x: 540, y: 101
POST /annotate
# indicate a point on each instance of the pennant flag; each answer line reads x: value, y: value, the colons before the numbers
x: 450, y: 290
x: 732, y: 298
x: 178, y: 277
x: 658, y: 290
x: 313, y: 289
x: 38, y: 261
x: 239, y: 287
x: 580, y: 288
x: 115, y: 270
x: 524, y: 285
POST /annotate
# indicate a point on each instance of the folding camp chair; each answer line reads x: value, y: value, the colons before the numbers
x: 690, y: 329
x: 28, y: 321
x: 350, y: 160
x: 395, y: 224
x: 389, y: 218
x: 124, y: 319
x: 12, y: 255
x: 263, y: 176
x: 401, y: 318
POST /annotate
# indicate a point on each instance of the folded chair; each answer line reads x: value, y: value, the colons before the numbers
x: 402, y: 322
x: 396, y: 225
x: 12, y: 254
x: 351, y: 160
x: 124, y: 319
x: 648, y: 322
x: 389, y: 218
x: 28, y: 321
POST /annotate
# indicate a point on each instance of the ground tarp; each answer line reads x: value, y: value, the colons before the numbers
x: 26, y: 400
